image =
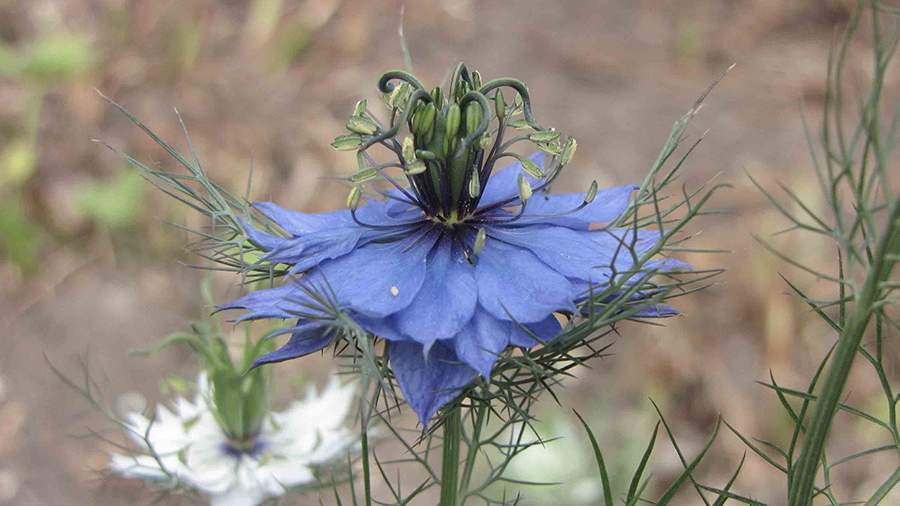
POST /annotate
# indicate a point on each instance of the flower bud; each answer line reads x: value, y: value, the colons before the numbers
x: 347, y: 142
x: 549, y: 147
x: 409, y: 150
x: 485, y: 141
x: 532, y: 169
x: 568, y: 151
x: 364, y: 175
x: 353, y: 197
x: 525, y: 190
x: 438, y: 97
x: 591, y: 193
x: 474, y: 185
x: 480, y: 239
x: 423, y: 122
x: 519, y: 124
x: 361, y: 125
x: 544, y: 136
x: 476, y: 79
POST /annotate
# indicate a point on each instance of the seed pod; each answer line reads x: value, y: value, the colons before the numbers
x: 416, y: 167
x: 409, y: 150
x: 353, y: 197
x: 453, y: 119
x: 499, y: 105
x: 361, y: 125
x: 347, y: 142
x: 532, y: 169
x: 525, y: 190
x: 591, y: 193
x: 519, y: 124
x: 543, y: 136
x: 473, y: 117
x: 480, y: 238
x: 474, y: 185
x: 568, y: 151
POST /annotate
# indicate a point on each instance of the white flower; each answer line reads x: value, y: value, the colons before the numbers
x: 187, y: 447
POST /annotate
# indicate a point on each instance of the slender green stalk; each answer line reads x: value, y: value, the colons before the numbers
x: 364, y: 451
x: 472, y: 451
x: 803, y: 485
x: 450, y: 461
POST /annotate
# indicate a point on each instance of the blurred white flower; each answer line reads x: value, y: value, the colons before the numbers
x: 187, y: 447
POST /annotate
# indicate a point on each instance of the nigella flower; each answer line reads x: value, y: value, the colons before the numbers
x: 460, y: 263
x: 188, y: 447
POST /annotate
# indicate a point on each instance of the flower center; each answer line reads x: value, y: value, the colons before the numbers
x: 251, y: 446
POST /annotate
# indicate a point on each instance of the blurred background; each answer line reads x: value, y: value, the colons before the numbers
x: 89, y: 269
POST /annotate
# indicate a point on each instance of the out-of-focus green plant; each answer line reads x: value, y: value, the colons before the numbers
x: 115, y: 203
x: 36, y: 67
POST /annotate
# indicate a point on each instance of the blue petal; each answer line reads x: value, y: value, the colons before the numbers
x: 297, y: 223
x: 545, y: 330
x: 481, y: 341
x: 446, y: 300
x: 306, y: 338
x: 514, y: 285
x: 503, y: 184
x: 608, y: 205
x: 428, y: 385
x: 264, y: 240
x: 379, y: 279
x: 280, y: 302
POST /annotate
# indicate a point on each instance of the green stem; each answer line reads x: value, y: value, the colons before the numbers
x: 450, y: 461
x: 803, y: 486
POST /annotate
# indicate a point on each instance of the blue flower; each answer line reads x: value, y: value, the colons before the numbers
x: 449, y: 292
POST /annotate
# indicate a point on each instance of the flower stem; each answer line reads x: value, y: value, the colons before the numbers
x: 450, y: 461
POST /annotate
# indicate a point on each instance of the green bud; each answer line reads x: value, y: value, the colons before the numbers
x: 500, y: 105
x: 360, y: 109
x: 409, y: 149
x: 361, y: 125
x: 591, y: 193
x: 525, y: 190
x: 568, y: 151
x: 476, y: 79
x: 364, y: 175
x: 544, y: 136
x: 473, y: 117
x: 416, y: 167
x: 519, y: 124
x: 438, y: 97
x: 353, y: 197
x: 480, y: 238
x: 485, y: 141
x: 397, y: 98
x: 453, y: 120
x: 347, y: 142
x: 425, y: 154
x: 549, y: 147
x: 474, y: 185
x: 532, y: 169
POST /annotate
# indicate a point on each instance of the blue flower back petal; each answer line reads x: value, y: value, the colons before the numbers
x: 297, y: 223
x: 513, y: 284
x: 480, y: 342
x: 545, y: 330
x: 308, y: 337
x: 608, y: 205
x: 428, y: 385
x: 503, y: 184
